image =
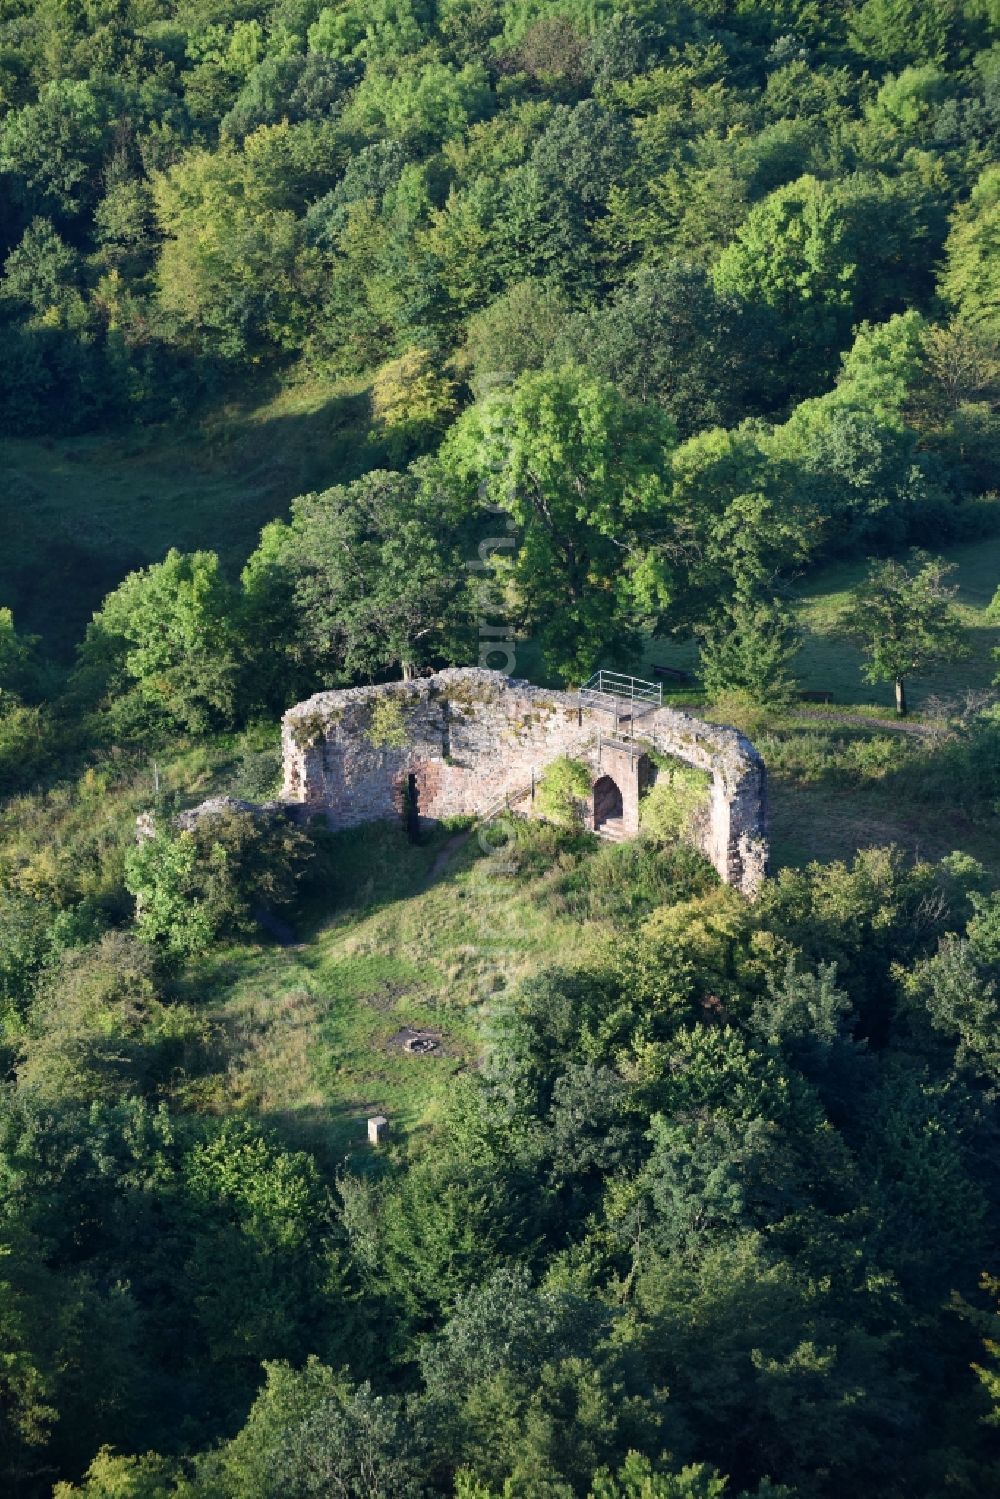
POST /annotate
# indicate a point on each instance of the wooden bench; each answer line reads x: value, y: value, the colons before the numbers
x: 673, y: 673
x: 815, y: 697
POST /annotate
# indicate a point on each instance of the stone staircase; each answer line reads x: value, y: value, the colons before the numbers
x: 508, y: 802
x: 612, y: 830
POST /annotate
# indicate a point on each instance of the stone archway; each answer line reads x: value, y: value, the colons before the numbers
x: 609, y: 804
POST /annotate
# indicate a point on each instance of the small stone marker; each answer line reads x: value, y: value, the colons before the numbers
x: 378, y: 1129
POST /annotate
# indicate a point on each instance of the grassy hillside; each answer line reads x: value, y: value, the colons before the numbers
x: 78, y: 513
x: 402, y: 937
x: 309, y: 1036
x: 419, y: 939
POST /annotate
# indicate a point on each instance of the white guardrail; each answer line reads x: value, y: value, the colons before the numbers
x: 617, y: 687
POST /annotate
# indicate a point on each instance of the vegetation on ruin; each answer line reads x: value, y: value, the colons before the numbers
x: 675, y: 800
x: 344, y: 339
x: 563, y: 790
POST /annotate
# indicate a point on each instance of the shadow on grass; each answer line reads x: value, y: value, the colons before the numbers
x: 367, y: 868
x: 79, y: 513
x: 834, y: 793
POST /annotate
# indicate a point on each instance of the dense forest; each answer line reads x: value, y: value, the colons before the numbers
x: 629, y: 331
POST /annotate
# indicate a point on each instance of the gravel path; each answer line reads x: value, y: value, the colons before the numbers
x: 455, y: 842
x: 894, y: 725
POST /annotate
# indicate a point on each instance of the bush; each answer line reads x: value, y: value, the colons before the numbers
x: 32, y: 936
x: 163, y: 651
x: 963, y: 770
x: 215, y: 879
x: 566, y: 784
x: 671, y: 809
x: 99, y: 1029
x: 747, y: 648
x: 625, y: 881
x: 411, y: 401
x: 25, y: 946
x: 387, y: 726
x: 259, y: 774
x: 28, y: 747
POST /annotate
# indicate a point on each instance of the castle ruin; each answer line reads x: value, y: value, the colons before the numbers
x: 467, y: 741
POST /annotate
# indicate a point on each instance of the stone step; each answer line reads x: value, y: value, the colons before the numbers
x: 612, y: 830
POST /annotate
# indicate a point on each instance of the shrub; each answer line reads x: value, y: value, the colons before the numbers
x: 387, y: 726
x: 259, y: 775
x: 25, y: 946
x: 963, y: 769
x: 28, y: 745
x: 217, y: 878
x: 747, y: 648
x: 566, y: 784
x: 626, y: 881
x: 162, y: 649
x: 99, y: 1028
x: 411, y: 401
x: 32, y: 936
x: 673, y: 806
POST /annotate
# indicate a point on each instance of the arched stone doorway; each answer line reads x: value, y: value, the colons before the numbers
x: 609, y: 806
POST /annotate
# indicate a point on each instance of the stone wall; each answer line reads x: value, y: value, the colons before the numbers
x: 472, y: 739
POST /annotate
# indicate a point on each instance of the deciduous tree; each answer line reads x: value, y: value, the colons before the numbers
x: 164, y: 643
x: 580, y: 473
x: 905, y: 621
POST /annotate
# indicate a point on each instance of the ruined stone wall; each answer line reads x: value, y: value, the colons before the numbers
x: 474, y: 737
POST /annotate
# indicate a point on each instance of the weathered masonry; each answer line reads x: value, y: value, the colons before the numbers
x: 467, y: 741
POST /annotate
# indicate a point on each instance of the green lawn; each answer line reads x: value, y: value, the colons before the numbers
x: 830, y: 663
x: 821, y: 822
x: 827, y: 662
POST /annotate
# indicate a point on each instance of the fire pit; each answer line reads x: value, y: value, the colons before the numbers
x: 418, y: 1046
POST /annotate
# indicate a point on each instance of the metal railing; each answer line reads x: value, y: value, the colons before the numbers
x: 606, y: 689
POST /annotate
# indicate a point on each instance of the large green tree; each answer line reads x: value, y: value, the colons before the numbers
x: 579, y: 471
x: 235, y: 273
x: 163, y: 645
x: 821, y: 255
x: 748, y: 646
x: 667, y: 336
x: 368, y: 577
x: 971, y: 280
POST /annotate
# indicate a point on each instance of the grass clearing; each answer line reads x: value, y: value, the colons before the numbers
x: 829, y: 662
x: 78, y: 513
x: 819, y: 823
x: 839, y: 781
x: 431, y: 935
x: 308, y: 1033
